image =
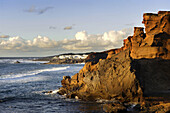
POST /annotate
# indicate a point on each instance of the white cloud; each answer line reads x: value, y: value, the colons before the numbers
x: 81, y: 35
x: 43, y: 42
x: 82, y: 42
x: 114, y: 36
x: 12, y: 43
x: 20, y: 43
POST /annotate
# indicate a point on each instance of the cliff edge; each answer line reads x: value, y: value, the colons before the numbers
x: 138, y: 69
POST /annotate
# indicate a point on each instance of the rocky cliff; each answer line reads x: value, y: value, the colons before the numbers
x: 139, y: 68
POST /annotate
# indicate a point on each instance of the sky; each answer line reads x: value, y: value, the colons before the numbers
x: 51, y: 27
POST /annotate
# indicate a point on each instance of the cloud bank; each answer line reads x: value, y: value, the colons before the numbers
x: 82, y: 42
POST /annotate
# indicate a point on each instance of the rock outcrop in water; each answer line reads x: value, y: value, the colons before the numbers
x: 17, y: 62
x: 139, y: 68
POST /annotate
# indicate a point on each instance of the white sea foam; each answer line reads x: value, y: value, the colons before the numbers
x: 55, y: 91
x: 44, y: 92
x: 30, y: 61
x: 51, y: 92
x: 12, y: 61
x: 11, y: 76
x: 81, y: 63
x: 24, y: 80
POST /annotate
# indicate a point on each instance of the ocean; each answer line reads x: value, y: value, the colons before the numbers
x: 24, y: 87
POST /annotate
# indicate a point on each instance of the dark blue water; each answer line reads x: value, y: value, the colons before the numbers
x: 24, y: 87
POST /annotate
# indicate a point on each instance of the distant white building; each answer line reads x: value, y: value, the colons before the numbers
x: 56, y: 57
x: 62, y: 57
x: 72, y: 57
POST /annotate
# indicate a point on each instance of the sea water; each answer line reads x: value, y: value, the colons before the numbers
x: 24, y: 87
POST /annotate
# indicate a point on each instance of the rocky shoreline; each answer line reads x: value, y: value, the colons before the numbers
x: 130, y: 74
x: 66, y: 61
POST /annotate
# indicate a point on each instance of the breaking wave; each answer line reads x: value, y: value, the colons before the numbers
x: 12, y: 61
x: 29, y: 73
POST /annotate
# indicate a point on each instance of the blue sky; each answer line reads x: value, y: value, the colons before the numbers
x: 29, y: 18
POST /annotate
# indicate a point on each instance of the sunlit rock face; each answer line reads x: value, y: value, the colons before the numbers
x: 140, y: 67
x: 155, y: 43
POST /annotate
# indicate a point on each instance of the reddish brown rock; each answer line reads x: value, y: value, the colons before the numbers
x: 127, y: 43
x: 154, y: 107
x: 160, y: 108
x: 109, y: 78
x: 156, y: 43
x: 138, y: 37
x: 140, y: 67
x: 94, y: 57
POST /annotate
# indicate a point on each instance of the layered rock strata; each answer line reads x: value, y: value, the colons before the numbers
x: 140, y: 67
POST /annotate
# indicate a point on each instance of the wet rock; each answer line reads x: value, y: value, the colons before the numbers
x: 114, y: 108
x: 66, y: 80
x: 155, y: 107
x: 17, y: 62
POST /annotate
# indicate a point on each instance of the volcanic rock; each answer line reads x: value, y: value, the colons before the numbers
x: 139, y: 68
x: 17, y: 62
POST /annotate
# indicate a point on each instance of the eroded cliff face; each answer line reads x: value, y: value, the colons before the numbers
x: 140, y: 67
x: 108, y: 79
x: 155, y: 43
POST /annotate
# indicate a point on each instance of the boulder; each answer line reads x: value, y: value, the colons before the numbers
x: 17, y: 62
